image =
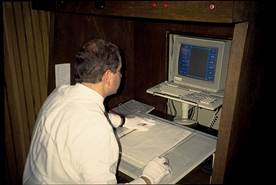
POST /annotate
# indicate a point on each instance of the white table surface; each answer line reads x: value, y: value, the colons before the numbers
x: 183, y: 157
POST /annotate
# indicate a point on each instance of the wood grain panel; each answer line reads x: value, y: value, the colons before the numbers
x: 227, y: 124
x: 197, y: 11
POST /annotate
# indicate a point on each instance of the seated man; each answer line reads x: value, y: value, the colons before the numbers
x: 73, y: 140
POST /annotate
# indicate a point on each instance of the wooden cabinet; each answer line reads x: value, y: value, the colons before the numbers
x: 139, y: 28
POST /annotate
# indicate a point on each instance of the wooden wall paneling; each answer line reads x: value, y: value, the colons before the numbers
x: 150, y: 61
x: 242, y: 146
x: 246, y: 151
x: 63, y: 46
x: 121, y: 33
x: 68, y: 39
x: 197, y: 11
x: 228, y: 126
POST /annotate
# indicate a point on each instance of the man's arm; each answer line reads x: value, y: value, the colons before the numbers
x: 117, y: 120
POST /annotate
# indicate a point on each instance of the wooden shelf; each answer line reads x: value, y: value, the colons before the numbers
x: 197, y: 11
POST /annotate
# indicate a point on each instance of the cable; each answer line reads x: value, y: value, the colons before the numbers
x: 191, y: 112
x: 197, y: 112
x: 215, y: 118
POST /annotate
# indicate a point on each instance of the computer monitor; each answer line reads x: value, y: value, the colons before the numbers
x: 198, y: 62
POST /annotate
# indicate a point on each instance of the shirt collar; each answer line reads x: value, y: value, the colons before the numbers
x: 90, y: 93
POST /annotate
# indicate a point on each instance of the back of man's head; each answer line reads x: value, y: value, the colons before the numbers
x: 94, y: 58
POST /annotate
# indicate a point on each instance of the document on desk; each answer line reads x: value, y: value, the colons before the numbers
x: 123, y: 131
x: 138, y: 148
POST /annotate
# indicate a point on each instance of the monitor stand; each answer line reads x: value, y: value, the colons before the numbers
x: 184, y: 120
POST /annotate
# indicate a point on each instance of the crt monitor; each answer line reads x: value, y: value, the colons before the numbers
x: 198, y: 62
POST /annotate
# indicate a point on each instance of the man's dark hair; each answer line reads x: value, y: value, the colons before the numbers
x: 94, y: 58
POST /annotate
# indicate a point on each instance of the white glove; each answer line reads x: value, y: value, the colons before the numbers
x: 138, y: 123
x: 115, y: 119
x: 156, y: 169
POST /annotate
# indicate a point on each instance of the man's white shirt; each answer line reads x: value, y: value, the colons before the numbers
x: 73, y: 142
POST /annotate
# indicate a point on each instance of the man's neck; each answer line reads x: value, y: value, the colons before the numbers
x: 98, y: 87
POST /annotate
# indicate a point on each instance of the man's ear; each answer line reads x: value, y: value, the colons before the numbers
x: 106, y: 77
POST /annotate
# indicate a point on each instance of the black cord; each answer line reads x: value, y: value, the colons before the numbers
x: 215, y: 118
x: 191, y: 112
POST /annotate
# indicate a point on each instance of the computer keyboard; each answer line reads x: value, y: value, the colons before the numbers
x: 191, y: 96
x: 186, y: 94
x: 199, y: 97
x: 174, y: 90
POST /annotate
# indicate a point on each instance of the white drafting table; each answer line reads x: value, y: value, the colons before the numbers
x: 183, y: 157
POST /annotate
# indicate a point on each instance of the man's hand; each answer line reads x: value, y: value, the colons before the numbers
x: 115, y: 119
x: 156, y: 169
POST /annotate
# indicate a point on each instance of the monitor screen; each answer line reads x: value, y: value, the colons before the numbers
x: 198, y: 62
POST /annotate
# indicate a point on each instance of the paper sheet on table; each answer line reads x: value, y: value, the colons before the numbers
x: 138, y: 148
